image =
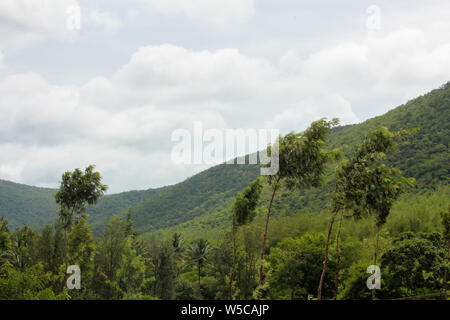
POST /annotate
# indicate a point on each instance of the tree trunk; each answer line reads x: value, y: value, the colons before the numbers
x: 263, y: 247
x: 338, y: 259
x: 233, y: 268
x: 66, y: 258
x: 325, y: 261
x: 375, y: 260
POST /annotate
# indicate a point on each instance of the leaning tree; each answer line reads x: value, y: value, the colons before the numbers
x: 384, y: 186
x: 302, y: 163
x: 353, y: 182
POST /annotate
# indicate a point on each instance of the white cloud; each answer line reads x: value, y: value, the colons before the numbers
x: 107, y: 21
x: 1, y: 61
x: 313, y: 108
x: 401, y: 64
x: 214, y: 12
x: 23, y: 22
x: 124, y: 123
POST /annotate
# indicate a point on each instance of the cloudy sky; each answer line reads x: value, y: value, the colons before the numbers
x: 112, y: 91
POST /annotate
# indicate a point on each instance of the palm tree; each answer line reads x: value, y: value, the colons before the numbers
x: 177, y: 243
x: 197, y: 254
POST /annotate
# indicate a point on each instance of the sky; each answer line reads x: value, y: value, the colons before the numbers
x: 109, y: 86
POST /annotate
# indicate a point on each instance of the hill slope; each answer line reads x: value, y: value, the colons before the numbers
x: 205, y: 199
x: 33, y: 206
x: 205, y: 192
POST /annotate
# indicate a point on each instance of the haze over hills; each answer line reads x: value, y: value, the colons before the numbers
x: 206, y: 197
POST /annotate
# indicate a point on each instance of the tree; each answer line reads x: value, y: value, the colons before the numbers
x: 353, y: 178
x: 220, y: 262
x: 50, y: 248
x: 81, y: 249
x: 131, y: 274
x: 77, y: 190
x: 445, y: 221
x: 30, y: 284
x: 165, y: 271
x: 294, y: 265
x: 112, y: 248
x: 5, y: 245
x: 197, y: 254
x: 302, y: 162
x: 177, y: 243
x: 384, y: 186
x: 244, y: 210
x: 22, y: 249
x: 412, y: 264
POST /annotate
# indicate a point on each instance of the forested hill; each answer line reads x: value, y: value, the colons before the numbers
x: 205, y: 192
x: 33, y: 206
x: 206, y: 197
x: 425, y: 156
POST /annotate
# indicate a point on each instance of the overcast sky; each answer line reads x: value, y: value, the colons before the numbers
x: 112, y: 92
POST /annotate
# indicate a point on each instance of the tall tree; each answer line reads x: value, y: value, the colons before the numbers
x: 384, y: 186
x: 78, y: 189
x: 81, y: 249
x: 131, y: 274
x: 50, y: 248
x: 23, y: 248
x: 197, y: 254
x: 302, y: 161
x: 351, y: 182
x: 244, y: 210
x: 165, y: 271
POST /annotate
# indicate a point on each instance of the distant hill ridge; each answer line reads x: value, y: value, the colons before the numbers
x: 208, y: 195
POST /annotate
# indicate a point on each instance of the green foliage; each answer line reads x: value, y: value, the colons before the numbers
x: 5, y: 245
x: 25, y: 205
x: 173, y: 264
x: 197, y: 254
x: 131, y: 274
x: 302, y: 157
x: 445, y: 221
x: 412, y: 264
x: 50, y: 248
x: 77, y: 190
x: 355, y: 287
x: 358, y: 177
x: 205, y: 198
x: 205, y: 192
x: 22, y: 249
x: 244, y: 206
x: 164, y: 271
x: 295, y: 266
x: 29, y: 284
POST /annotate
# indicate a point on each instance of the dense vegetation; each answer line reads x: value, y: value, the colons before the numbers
x: 201, y: 239
x: 25, y: 205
